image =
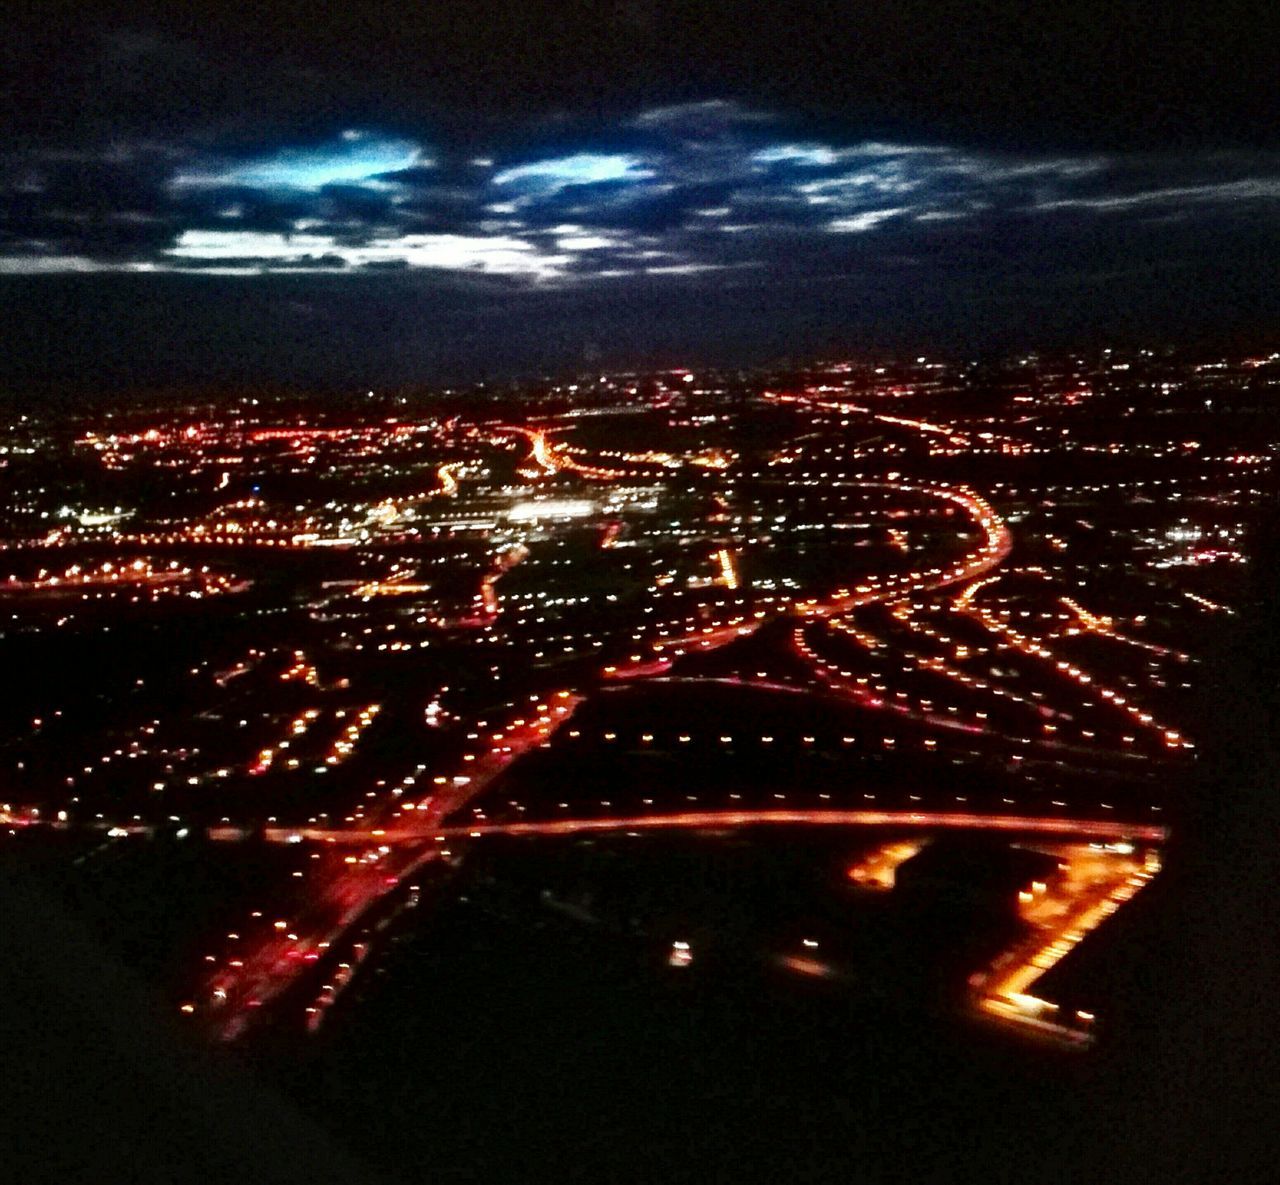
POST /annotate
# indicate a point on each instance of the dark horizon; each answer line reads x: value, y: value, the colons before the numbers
x: 272, y: 334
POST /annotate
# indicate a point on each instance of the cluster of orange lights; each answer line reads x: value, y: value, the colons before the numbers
x: 1002, y: 991
x: 109, y: 576
x: 297, y: 727
x: 365, y: 862
x: 996, y: 545
x: 1032, y: 649
x: 347, y: 740
x: 668, y: 646
x: 301, y: 670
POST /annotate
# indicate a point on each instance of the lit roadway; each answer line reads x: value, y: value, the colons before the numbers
x: 1097, y: 829
x: 362, y: 865
x: 344, y: 889
x: 997, y: 542
x: 1095, y: 887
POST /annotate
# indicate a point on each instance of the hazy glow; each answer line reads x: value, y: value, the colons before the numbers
x: 52, y: 265
x: 710, y: 113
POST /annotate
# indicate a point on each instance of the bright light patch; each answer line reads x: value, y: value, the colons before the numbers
x: 97, y: 518
x: 585, y: 243
x: 867, y: 220
x: 496, y: 254
x: 249, y: 244
x: 583, y: 168
x: 552, y: 508
x: 356, y: 157
x: 795, y: 154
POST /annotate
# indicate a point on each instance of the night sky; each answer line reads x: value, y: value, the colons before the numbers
x: 386, y: 192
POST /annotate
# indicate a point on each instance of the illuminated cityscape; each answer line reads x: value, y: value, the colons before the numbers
x: 950, y: 619
x: 639, y: 592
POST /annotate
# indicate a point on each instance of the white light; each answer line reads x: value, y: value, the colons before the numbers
x: 552, y: 508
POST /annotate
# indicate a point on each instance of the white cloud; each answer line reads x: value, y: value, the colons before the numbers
x: 355, y: 158
x: 718, y: 112
x: 582, y: 168
x: 494, y: 254
x: 1249, y: 189
x: 587, y: 243
x: 867, y: 220
x: 798, y: 154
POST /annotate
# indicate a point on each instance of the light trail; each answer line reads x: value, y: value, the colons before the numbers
x: 552, y: 458
x: 997, y: 543
x: 394, y: 587
x: 503, y: 563
x: 1205, y: 603
x: 1101, y: 829
x: 923, y: 426
x: 707, y: 637
x: 1104, y: 627
x: 845, y: 684
x: 935, y: 665
x: 222, y: 678
x: 540, y: 450
x: 829, y: 674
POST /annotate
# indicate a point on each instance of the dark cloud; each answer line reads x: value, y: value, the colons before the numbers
x: 1035, y: 74
x: 697, y: 186
x: 605, y: 157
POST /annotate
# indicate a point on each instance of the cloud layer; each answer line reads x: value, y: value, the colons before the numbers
x: 683, y: 189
